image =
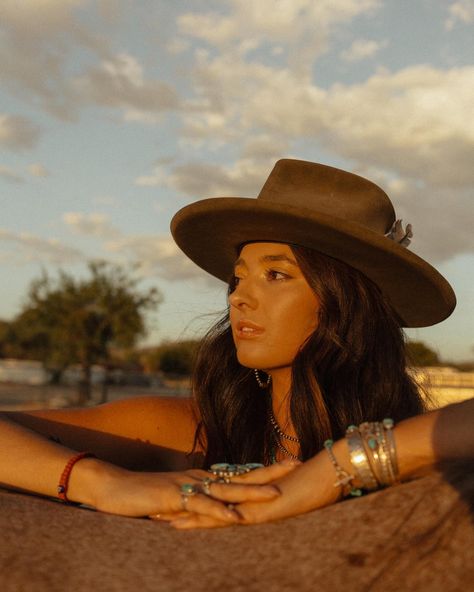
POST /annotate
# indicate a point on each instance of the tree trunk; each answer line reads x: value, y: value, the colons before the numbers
x: 104, y: 395
x: 84, y: 392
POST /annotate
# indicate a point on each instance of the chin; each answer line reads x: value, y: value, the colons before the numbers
x: 251, y: 359
x: 261, y: 360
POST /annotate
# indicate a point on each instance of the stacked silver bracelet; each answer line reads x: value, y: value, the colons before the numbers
x: 359, y: 460
x: 373, y: 454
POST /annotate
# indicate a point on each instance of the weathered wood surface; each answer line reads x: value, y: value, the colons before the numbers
x: 418, y: 536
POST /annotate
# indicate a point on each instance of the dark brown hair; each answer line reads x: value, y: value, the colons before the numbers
x: 351, y: 369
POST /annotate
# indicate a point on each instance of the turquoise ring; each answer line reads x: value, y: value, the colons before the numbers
x: 186, y: 490
x: 225, y: 471
x: 206, y: 485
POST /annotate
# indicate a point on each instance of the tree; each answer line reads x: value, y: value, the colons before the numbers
x: 419, y: 354
x: 4, y: 338
x: 171, y: 357
x: 78, y: 321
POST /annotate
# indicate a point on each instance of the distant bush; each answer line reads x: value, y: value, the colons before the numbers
x: 419, y: 354
x: 171, y: 358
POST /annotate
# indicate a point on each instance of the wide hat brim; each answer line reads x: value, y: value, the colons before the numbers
x: 211, y: 232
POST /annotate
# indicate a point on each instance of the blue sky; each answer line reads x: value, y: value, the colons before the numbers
x: 113, y: 114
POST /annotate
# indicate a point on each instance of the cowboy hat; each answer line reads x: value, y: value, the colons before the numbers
x: 326, y: 209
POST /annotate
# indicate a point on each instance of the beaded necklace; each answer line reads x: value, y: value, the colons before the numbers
x: 279, y: 431
x: 278, y: 434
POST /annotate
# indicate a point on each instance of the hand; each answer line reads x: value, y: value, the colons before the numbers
x: 249, y: 487
x: 309, y: 486
x: 149, y: 494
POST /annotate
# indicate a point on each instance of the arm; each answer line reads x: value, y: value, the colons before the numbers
x: 32, y: 462
x: 144, y: 433
x: 135, y: 433
x: 422, y: 442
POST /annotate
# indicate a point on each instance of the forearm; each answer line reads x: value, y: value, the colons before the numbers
x: 422, y: 442
x: 31, y: 462
x: 441, y: 435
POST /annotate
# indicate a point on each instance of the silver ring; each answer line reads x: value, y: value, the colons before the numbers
x: 187, y: 490
x: 206, y: 485
x: 225, y: 471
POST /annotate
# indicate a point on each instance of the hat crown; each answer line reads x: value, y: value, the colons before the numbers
x: 331, y: 191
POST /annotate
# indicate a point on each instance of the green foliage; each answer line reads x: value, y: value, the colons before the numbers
x: 175, y: 358
x: 419, y: 354
x: 5, y: 339
x: 68, y: 320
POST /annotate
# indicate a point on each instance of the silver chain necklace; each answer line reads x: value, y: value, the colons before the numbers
x: 280, y: 432
x: 285, y: 450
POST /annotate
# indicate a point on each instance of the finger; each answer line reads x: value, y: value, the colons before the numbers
x: 254, y: 513
x: 168, y: 516
x: 197, y: 521
x: 236, y: 493
x: 268, y: 474
x: 207, y: 506
x: 198, y: 474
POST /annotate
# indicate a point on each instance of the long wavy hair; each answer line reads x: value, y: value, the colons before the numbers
x: 351, y: 369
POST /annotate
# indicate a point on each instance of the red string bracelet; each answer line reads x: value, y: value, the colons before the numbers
x: 64, y: 481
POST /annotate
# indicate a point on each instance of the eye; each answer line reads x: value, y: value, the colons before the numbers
x: 233, y: 283
x: 274, y: 275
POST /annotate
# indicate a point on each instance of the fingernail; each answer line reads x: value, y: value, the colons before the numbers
x: 270, y: 491
x: 231, y: 515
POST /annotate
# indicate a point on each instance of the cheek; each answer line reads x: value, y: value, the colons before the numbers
x: 305, y: 316
x: 295, y: 324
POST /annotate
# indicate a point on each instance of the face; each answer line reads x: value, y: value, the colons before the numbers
x: 272, y: 309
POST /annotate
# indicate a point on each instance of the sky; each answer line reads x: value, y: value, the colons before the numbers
x: 116, y: 113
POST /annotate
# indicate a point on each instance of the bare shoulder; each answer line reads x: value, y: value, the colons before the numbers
x: 164, y: 421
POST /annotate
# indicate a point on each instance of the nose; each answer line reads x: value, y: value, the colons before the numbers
x: 244, y: 295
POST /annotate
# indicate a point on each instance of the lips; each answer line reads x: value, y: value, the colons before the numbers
x: 246, y: 329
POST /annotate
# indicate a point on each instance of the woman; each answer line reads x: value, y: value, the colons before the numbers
x: 320, y: 283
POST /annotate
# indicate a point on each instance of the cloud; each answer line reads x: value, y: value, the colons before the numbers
x: 303, y: 27
x: 362, y: 49
x: 27, y: 248
x: 119, y: 82
x: 42, y: 60
x: 9, y: 175
x: 288, y: 21
x: 17, y: 132
x: 154, y: 256
x: 158, y: 177
x: 199, y: 180
x: 38, y: 170
x: 37, y: 40
x: 415, y: 125
x: 265, y: 146
x: 448, y: 232
x: 460, y: 11
x: 93, y: 224
x: 151, y: 255
x: 418, y: 121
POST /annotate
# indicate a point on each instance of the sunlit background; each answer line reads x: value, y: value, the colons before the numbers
x: 115, y: 113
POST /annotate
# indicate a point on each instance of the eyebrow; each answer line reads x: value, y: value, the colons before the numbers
x: 268, y: 259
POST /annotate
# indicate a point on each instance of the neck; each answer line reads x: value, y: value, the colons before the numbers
x: 281, y: 385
